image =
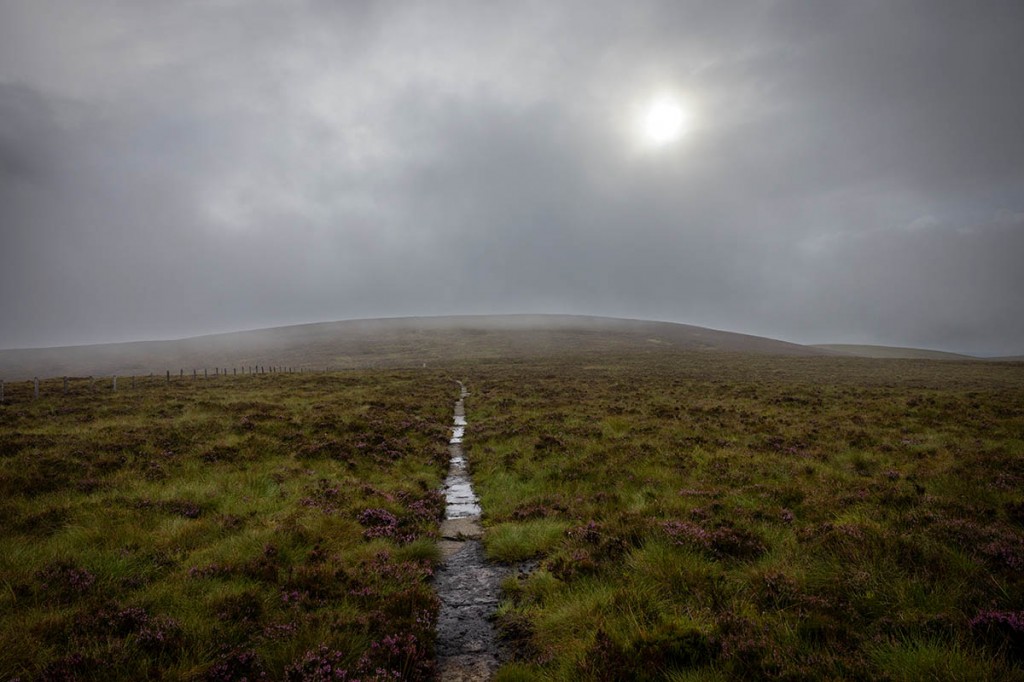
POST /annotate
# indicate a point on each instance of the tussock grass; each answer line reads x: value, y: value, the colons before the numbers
x: 724, y: 516
x: 217, y: 529
x: 512, y: 542
x: 922, y: 659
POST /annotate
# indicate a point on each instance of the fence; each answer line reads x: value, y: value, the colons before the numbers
x: 36, y: 388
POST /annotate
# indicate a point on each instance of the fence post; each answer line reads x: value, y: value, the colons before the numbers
x: 115, y: 383
x: 193, y: 375
x: 1, y: 390
x: 133, y: 382
x: 65, y: 385
x: 35, y: 392
x: 168, y: 377
x: 181, y: 373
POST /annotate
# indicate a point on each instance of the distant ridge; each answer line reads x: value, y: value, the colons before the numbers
x: 894, y: 352
x: 388, y: 342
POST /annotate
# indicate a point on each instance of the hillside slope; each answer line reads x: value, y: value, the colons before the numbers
x: 386, y: 342
x: 895, y: 352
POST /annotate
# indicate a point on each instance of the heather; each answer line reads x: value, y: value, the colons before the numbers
x: 715, y: 516
x: 672, y: 515
x: 241, y: 527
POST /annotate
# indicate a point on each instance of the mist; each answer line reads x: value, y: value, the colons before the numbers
x: 850, y: 172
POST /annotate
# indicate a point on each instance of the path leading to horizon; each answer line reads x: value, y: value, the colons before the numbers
x: 467, y: 584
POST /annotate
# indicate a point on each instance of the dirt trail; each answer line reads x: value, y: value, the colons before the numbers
x: 468, y: 585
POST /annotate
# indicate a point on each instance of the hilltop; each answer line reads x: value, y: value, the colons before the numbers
x: 392, y: 342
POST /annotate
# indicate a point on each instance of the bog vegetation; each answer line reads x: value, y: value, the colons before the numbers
x: 257, y: 527
x: 730, y: 517
x: 678, y: 515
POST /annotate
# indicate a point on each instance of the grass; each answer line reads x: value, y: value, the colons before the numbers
x: 235, y: 527
x: 684, y: 516
x: 511, y: 542
x: 714, y: 516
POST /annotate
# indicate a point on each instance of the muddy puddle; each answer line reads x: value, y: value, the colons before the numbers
x: 467, y: 584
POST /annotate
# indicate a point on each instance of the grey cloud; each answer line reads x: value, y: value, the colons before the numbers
x: 169, y: 170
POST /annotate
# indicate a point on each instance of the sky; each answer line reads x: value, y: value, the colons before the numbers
x: 848, y: 172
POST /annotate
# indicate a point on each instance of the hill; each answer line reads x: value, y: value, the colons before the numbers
x: 894, y: 352
x: 387, y: 342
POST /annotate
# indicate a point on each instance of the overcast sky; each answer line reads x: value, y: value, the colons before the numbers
x: 849, y: 172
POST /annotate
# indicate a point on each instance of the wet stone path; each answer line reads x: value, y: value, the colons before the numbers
x: 467, y: 584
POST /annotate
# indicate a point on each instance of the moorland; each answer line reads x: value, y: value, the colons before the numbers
x: 243, y: 527
x: 678, y: 510
x: 386, y: 343
x: 737, y: 516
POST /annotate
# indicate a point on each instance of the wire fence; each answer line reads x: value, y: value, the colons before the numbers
x: 36, y: 388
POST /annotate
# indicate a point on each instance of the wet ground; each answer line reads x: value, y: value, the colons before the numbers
x: 468, y: 585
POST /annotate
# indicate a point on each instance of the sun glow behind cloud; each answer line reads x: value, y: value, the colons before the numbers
x: 663, y: 120
x: 653, y: 160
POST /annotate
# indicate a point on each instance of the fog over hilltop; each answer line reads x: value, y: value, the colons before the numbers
x: 412, y: 342
x: 843, y: 173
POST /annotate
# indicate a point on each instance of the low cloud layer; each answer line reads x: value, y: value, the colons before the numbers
x: 853, y: 172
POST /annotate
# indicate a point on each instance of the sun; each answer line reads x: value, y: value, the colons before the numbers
x: 664, y: 121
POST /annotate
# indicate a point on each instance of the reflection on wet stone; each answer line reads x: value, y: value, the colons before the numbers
x: 467, y: 584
